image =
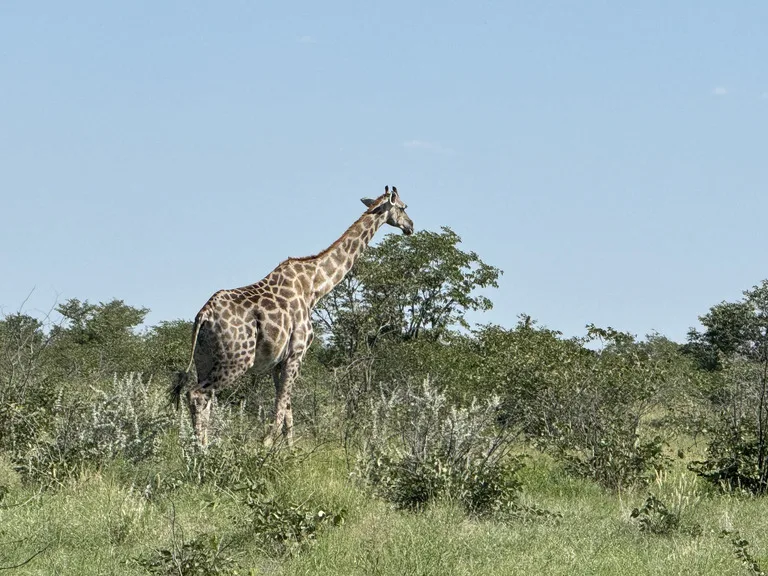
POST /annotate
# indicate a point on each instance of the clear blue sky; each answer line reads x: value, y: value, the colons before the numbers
x: 610, y: 157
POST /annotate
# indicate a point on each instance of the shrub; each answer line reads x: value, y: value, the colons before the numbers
x: 9, y: 478
x: 284, y: 526
x: 25, y: 392
x: 738, y: 449
x: 584, y: 406
x: 205, y: 555
x: 238, y: 455
x: 655, y: 516
x: 420, y: 448
x: 735, y: 345
x: 124, y: 420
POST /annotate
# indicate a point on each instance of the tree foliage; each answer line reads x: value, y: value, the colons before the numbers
x: 732, y: 328
x: 583, y: 405
x: 736, y: 338
x: 409, y: 287
x: 89, y: 330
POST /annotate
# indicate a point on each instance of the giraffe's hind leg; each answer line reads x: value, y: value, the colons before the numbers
x: 202, y: 398
x: 200, y: 407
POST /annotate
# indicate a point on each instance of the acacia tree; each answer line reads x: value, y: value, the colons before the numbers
x: 98, y: 338
x: 412, y: 292
x: 729, y: 328
x: 167, y: 346
x: 407, y: 287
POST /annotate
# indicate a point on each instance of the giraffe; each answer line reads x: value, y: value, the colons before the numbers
x: 268, y: 326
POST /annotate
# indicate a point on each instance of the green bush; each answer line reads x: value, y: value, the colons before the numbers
x: 282, y: 525
x: 232, y: 462
x: 655, y: 517
x: 205, y: 555
x: 735, y: 347
x: 584, y: 406
x: 737, y: 453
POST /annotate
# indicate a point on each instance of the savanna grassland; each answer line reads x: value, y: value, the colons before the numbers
x: 425, y: 446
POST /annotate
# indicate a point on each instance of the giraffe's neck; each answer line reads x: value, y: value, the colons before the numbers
x: 333, y: 263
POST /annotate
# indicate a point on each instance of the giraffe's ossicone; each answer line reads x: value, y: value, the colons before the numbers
x: 268, y: 325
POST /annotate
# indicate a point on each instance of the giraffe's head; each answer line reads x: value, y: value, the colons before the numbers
x: 390, y: 204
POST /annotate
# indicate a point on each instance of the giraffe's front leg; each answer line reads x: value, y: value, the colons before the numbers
x: 284, y: 379
x: 300, y: 340
x: 274, y: 431
x: 288, y: 376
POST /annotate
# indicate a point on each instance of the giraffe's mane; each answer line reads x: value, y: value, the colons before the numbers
x: 338, y: 241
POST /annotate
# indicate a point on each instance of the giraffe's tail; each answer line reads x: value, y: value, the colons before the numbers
x: 180, y: 381
x: 181, y: 378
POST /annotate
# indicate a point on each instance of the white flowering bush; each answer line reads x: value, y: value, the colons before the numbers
x: 97, y: 424
x: 420, y: 448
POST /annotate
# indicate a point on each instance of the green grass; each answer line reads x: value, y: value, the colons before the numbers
x: 103, y: 524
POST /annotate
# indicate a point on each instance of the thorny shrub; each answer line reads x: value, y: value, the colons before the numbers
x: 125, y: 419
x: 420, y: 448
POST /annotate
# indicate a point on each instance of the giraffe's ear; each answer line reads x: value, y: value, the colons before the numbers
x: 367, y: 201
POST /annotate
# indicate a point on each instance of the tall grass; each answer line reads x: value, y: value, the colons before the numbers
x: 103, y: 522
